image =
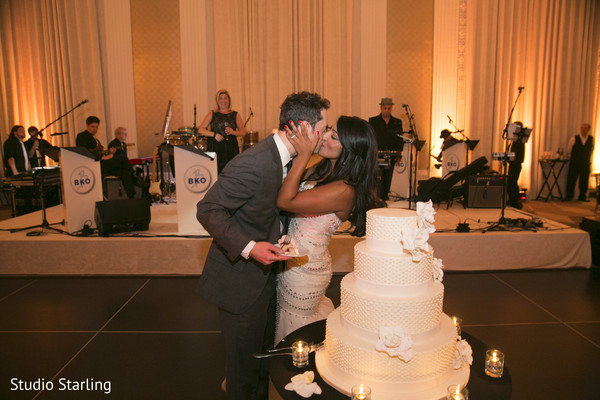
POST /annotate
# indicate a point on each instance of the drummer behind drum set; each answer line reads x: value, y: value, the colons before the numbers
x: 222, y: 126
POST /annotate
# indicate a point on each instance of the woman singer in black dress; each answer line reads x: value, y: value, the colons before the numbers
x: 222, y: 126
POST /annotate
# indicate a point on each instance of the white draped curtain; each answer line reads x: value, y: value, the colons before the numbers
x: 550, y: 47
x: 53, y: 56
x: 265, y: 50
x: 50, y: 62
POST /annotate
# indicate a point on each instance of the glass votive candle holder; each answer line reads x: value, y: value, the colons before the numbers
x: 300, y: 351
x: 494, y: 363
x: 361, y: 392
x: 457, y: 323
x: 457, y: 392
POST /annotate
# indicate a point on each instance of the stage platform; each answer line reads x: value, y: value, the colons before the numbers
x: 161, y: 251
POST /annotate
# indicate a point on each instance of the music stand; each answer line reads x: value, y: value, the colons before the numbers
x: 45, y: 224
x: 517, y: 133
x: 471, y: 144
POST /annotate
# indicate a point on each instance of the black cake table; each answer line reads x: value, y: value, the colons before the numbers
x: 282, y: 370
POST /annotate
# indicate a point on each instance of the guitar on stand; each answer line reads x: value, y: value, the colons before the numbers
x: 157, y: 184
x: 412, y: 140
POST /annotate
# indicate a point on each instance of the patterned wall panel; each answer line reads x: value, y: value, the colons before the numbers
x: 409, y: 64
x: 157, y: 68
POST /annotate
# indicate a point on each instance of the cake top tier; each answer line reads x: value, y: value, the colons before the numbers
x: 394, y: 230
x: 387, y: 223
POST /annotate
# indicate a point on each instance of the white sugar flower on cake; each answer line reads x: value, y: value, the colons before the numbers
x: 425, y: 216
x: 464, y: 354
x: 438, y: 269
x: 396, y: 342
x: 415, y: 242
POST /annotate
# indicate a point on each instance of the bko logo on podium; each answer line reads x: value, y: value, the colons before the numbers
x: 400, y: 166
x: 452, y: 163
x: 197, y: 179
x: 82, y: 180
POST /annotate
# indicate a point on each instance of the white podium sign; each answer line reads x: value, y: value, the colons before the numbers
x: 195, y: 173
x: 81, y: 185
x: 454, y: 158
x: 401, y: 175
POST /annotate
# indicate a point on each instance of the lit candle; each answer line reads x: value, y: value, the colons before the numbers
x: 457, y: 392
x: 457, y: 323
x: 361, y: 392
x: 494, y: 363
x: 300, y: 354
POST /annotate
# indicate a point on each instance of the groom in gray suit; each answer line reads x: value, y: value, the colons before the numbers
x: 241, y: 215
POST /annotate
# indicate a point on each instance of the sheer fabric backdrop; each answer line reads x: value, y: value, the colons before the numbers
x: 56, y: 53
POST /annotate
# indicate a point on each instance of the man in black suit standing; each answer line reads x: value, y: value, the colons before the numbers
x: 240, y: 213
x: 388, y: 130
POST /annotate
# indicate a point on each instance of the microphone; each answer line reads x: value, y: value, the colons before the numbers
x: 449, y: 119
x: 521, y: 88
x: 251, y: 113
x: 84, y: 101
x: 59, y: 133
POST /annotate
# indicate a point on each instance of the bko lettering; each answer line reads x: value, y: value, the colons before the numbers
x: 196, y: 181
x: 82, y: 181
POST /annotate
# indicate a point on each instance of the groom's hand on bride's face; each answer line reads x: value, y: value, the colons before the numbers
x: 267, y: 253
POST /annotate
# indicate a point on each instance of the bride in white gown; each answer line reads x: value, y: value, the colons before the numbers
x: 342, y: 187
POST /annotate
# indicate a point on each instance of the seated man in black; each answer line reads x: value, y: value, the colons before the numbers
x: 449, y: 141
x: 110, y: 163
x: 34, y: 144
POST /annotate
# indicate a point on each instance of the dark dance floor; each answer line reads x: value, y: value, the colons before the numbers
x: 156, y: 339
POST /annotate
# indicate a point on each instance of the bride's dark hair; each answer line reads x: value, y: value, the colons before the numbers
x: 356, y: 166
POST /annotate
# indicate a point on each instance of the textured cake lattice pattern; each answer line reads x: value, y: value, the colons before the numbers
x: 388, y: 228
x: 413, y: 315
x: 390, y: 270
x: 380, y: 366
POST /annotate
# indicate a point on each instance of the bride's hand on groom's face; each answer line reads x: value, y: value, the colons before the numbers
x: 302, y: 138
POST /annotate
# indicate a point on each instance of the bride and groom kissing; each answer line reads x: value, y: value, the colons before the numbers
x: 259, y: 301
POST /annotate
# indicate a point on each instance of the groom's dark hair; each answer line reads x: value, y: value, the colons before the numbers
x: 302, y: 106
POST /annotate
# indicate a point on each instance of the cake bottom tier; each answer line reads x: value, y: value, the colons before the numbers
x: 348, y: 360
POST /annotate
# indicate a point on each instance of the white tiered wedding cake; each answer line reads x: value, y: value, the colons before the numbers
x: 389, y: 332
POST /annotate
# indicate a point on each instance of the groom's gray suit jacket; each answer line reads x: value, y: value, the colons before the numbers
x: 240, y: 206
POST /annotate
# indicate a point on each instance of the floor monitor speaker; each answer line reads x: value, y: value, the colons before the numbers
x: 126, y: 215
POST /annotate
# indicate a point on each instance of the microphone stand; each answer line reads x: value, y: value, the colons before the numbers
x: 249, y: 116
x: 503, y: 220
x: 64, y: 115
x: 45, y: 224
x: 418, y: 144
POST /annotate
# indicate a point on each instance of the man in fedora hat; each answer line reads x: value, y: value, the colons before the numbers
x: 388, y: 130
x: 449, y: 141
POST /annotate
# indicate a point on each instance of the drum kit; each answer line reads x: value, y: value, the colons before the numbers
x: 189, y: 136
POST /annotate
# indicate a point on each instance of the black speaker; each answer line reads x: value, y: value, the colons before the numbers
x: 485, y: 191
x: 126, y: 215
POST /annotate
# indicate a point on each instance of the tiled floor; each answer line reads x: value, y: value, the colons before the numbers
x: 154, y: 338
